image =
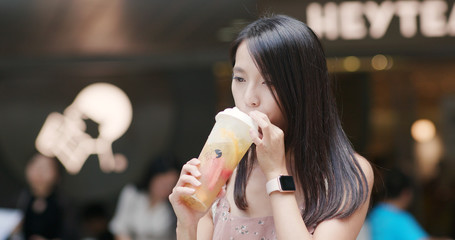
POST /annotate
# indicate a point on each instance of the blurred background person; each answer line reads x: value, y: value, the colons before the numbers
x: 42, y: 208
x: 389, y: 218
x: 143, y: 210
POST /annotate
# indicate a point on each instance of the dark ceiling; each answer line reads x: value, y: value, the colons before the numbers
x: 164, y: 32
x: 119, y: 27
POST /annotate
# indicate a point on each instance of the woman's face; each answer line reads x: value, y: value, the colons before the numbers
x: 249, y: 89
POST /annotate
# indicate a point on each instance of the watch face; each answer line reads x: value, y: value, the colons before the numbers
x: 287, y: 183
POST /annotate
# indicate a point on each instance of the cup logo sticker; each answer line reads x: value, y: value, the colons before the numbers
x: 219, y: 153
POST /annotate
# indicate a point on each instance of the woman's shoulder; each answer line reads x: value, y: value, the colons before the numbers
x: 366, y: 168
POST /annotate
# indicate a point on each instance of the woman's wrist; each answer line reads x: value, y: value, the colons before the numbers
x: 186, y: 232
x: 274, y: 174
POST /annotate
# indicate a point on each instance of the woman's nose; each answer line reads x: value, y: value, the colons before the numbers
x: 251, y: 97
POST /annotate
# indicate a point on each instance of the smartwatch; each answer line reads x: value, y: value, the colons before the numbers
x: 282, y: 183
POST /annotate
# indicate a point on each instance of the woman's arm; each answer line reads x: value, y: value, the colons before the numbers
x: 286, y: 213
x: 205, y: 227
x: 289, y: 223
x: 271, y: 158
x: 202, y: 231
x: 348, y: 228
x: 191, y: 225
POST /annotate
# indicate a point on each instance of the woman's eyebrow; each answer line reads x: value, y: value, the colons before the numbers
x: 238, y: 69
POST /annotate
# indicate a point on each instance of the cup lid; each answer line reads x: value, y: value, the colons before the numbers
x: 236, y: 113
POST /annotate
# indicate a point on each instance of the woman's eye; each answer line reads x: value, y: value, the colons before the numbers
x: 238, y: 79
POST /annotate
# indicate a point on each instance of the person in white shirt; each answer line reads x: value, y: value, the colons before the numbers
x: 143, y: 210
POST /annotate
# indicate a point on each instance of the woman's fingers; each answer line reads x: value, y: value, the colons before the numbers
x: 257, y: 134
x: 177, y: 191
x: 188, y: 179
x: 261, y: 119
x: 269, y: 145
x: 267, y: 131
x: 190, y: 168
x: 194, y: 161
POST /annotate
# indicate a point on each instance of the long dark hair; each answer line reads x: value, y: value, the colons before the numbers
x: 290, y: 57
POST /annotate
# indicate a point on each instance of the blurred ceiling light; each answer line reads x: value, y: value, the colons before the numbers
x: 423, y: 130
x: 379, y: 62
x: 428, y: 156
x: 65, y: 137
x: 351, y: 63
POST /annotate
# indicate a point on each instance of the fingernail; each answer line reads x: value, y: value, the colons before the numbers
x: 198, y: 183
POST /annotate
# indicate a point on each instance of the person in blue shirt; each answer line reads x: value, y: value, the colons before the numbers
x: 389, y: 219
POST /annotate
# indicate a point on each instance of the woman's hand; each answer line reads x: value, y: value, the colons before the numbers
x: 186, y: 216
x: 269, y: 141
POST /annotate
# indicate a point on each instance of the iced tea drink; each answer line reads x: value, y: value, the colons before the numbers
x: 227, y: 143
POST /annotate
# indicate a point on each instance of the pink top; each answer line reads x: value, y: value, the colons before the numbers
x: 229, y: 227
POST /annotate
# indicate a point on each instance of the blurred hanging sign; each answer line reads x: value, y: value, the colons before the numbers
x: 413, y: 28
x: 352, y: 20
x: 66, y: 137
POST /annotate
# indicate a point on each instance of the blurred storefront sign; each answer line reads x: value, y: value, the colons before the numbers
x: 66, y: 136
x: 359, y: 19
x: 365, y: 28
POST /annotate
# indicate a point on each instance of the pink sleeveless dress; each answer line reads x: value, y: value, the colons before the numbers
x: 229, y: 227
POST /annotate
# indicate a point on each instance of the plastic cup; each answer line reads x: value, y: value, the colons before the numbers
x: 227, y: 143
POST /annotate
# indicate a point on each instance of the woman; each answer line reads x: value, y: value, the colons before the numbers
x: 280, y: 79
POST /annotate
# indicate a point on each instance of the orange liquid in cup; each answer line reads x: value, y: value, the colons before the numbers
x: 218, y: 160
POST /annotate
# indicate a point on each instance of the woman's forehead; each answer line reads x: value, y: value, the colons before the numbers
x: 243, y: 59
